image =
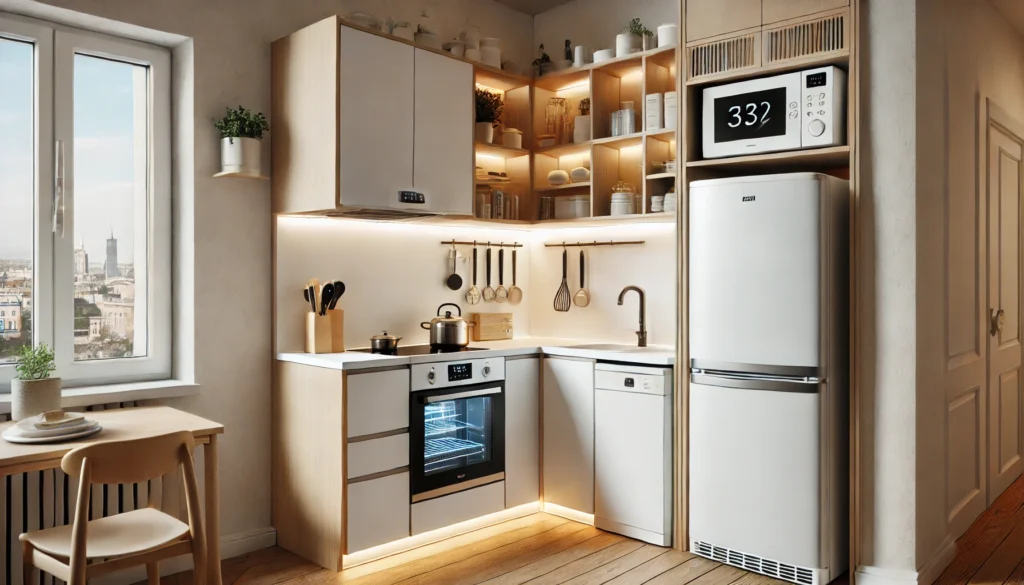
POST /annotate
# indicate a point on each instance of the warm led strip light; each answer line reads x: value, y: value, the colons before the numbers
x: 581, y: 517
x: 398, y: 546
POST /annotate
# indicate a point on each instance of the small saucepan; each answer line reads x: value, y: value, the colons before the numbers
x: 385, y: 344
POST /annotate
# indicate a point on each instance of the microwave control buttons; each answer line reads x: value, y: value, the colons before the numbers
x: 816, y: 128
x: 793, y: 105
x: 794, y: 115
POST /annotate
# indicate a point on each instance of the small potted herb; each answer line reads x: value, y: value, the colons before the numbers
x: 488, y: 112
x: 240, y: 133
x: 632, y: 39
x: 33, y: 391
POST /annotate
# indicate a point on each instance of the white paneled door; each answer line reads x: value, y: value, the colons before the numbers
x: 1005, y: 400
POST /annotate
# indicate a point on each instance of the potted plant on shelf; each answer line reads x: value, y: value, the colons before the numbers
x: 488, y: 112
x: 240, y: 133
x: 33, y: 391
x: 632, y: 39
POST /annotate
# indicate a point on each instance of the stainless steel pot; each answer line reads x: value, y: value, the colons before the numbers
x: 385, y: 344
x: 447, y: 331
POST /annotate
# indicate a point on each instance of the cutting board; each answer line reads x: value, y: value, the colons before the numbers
x: 491, y: 326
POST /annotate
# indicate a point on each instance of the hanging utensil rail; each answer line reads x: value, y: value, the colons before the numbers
x: 482, y: 243
x: 595, y: 243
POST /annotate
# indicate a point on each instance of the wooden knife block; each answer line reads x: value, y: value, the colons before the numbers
x: 325, y: 334
x: 491, y: 326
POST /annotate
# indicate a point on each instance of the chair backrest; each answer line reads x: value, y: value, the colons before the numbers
x: 131, y: 461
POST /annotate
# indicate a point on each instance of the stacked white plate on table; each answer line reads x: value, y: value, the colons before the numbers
x: 56, y: 427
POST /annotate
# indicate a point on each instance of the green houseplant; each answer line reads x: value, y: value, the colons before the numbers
x: 632, y: 39
x: 33, y: 391
x: 241, y: 131
x: 488, y: 111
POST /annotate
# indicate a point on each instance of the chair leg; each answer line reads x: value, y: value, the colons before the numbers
x: 153, y: 573
x: 28, y: 571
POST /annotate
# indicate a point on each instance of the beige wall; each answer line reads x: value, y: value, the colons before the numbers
x: 224, y: 228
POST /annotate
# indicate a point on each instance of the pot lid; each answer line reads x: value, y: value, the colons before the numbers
x: 385, y: 337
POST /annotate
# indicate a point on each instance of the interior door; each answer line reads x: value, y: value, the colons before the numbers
x: 1005, y: 403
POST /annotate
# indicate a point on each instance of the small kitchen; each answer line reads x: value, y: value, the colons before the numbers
x: 478, y: 320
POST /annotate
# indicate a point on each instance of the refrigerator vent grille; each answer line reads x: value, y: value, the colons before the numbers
x: 791, y: 573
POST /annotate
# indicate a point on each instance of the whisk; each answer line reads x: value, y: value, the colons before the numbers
x: 562, y: 299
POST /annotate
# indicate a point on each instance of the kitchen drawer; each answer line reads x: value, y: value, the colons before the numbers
x: 377, y: 402
x: 458, y: 507
x: 376, y: 455
x: 378, y: 511
x: 656, y: 381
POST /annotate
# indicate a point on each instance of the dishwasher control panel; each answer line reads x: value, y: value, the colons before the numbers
x: 641, y: 379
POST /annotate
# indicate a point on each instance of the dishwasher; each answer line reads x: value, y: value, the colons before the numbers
x: 633, y: 451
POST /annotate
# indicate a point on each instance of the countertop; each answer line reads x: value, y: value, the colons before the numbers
x: 655, y: 355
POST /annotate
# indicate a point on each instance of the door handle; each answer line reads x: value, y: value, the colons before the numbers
x: 998, y: 317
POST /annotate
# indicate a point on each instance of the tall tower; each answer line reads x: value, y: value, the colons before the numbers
x: 110, y: 269
x: 81, y: 260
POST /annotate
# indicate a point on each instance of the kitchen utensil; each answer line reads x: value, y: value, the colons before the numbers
x: 454, y: 281
x: 339, y: 289
x: 384, y: 344
x: 327, y: 297
x: 447, y: 331
x: 473, y: 295
x: 489, y: 292
x: 515, y: 294
x: 311, y: 295
x: 501, y: 294
x: 562, y: 299
x: 309, y: 299
x: 582, y: 297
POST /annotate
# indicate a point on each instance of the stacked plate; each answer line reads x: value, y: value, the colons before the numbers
x: 52, y: 427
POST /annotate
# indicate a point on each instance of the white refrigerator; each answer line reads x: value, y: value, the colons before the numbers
x: 768, y: 416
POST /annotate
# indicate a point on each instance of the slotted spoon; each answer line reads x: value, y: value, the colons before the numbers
x: 473, y: 295
x: 501, y: 295
x: 562, y: 299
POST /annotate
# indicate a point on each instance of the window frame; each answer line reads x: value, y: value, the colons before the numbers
x: 53, y: 269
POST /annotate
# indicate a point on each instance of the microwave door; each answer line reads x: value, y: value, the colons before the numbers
x: 750, y: 117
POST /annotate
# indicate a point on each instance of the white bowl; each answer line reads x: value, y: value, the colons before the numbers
x: 557, y: 178
x: 579, y: 175
x: 604, y: 55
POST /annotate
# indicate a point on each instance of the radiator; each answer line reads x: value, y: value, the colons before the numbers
x: 42, y: 499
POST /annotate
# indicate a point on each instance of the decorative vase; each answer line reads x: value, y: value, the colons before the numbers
x: 32, y: 397
x: 626, y: 43
x: 485, y: 132
x: 240, y: 155
x: 581, y: 129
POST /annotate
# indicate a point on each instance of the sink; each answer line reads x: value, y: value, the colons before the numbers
x: 618, y: 347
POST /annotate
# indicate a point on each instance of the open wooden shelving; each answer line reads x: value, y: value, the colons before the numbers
x: 565, y: 187
x: 499, y: 150
x: 814, y: 159
x: 560, y: 150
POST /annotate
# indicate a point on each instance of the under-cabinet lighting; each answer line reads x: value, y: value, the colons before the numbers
x: 491, y: 89
x: 582, y: 85
x: 491, y: 158
x: 581, y: 517
x: 631, y: 150
x: 398, y: 546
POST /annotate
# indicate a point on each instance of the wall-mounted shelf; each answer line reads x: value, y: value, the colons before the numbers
x: 499, y: 151
x: 653, y: 176
x: 560, y: 150
x: 585, y: 185
x: 566, y: 77
x: 819, y: 158
x: 240, y: 176
x: 619, y: 142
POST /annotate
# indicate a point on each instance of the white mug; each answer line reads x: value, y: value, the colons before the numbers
x: 581, y: 56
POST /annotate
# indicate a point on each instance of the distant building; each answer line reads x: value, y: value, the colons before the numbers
x: 82, y: 259
x: 10, y: 317
x: 118, y: 317
x: 110, y: 269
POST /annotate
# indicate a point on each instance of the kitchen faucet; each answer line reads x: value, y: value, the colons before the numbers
x: 642, y: 334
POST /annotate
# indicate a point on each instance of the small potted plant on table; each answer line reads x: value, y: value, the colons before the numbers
x: 488, y: 112
x: 33, y: 391
x: 240, y: 133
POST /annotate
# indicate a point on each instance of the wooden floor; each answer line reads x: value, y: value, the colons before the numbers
x: 539, y: 549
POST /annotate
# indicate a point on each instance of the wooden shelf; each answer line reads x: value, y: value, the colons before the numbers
x: 564, y: 149
x: 240, y: 176
x: 821, y: 158
x: 492, y: 180
x: 564, y: 79
x: 564, y: 187
x: 619, y: 142
x: 499, y: 150
x: 575, y: 75
x: 663, y: 135
x: 606, y: 219
x: 653, y: 176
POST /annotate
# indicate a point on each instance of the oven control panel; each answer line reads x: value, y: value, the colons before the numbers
x: 446, y: 374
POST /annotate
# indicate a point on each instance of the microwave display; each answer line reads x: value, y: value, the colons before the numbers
x: 747, y: 116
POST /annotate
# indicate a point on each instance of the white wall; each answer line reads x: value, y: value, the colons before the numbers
x: 594, y: 23
x: 224, y: 225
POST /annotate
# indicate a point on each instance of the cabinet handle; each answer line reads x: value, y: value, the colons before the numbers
x: 998, y: 318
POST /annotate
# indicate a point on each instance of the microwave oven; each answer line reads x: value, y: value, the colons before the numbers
x: 803, y: 109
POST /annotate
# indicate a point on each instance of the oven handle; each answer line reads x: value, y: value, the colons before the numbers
x: 460, y: 395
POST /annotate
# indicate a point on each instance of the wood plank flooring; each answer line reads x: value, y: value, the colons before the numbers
x: 539, y: 549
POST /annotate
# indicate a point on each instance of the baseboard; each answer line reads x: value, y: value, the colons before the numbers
x: 230, y: 546
x: 931, y: 570
x: 867, y: 575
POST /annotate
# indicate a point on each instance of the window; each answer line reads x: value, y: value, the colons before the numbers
x: 85, y: 243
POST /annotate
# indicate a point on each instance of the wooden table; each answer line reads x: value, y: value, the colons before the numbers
x: 134, y: 423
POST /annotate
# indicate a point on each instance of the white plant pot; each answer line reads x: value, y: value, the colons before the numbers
x: 668, y: 35
x: 626, y: 43
x: 485, y: 132
x: 240, y: 155
x: 32, y: 397
x: 581, y: 129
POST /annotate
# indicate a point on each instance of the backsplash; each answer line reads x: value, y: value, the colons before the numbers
x: 395, y: 272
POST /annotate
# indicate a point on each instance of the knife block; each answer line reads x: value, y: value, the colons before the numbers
x: 325, y: 334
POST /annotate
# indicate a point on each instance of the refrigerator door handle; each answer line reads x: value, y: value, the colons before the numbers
x: 804, y: 386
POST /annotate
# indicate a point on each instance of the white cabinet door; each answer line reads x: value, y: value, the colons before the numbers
x: 569, y: 433
x: 378, y: 511
x: 443, y: 166
x: 522, y: 431
x: 376, y: 135
x: 377, y: 402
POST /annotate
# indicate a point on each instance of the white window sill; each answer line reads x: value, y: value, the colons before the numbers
x: 107, y: 393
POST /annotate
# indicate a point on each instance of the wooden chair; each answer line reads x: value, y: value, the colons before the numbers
x: 144, y: 536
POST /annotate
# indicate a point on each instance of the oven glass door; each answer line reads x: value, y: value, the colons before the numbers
x: 457, y: 435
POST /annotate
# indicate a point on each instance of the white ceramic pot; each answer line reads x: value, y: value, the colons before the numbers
x: 557, y: 178
x: 512, y: 138
x: 491, y: 56
x: 490, y: 42
x: 240, y: 155
x: 472, y: 53
x: 579, y: 175
x: 668, y: 35
x: 580, y: 55
x: 603, y: 55
x: 32, y: 397
x: 626, y: 43
x: 581, y: 129
x: 485, y: 132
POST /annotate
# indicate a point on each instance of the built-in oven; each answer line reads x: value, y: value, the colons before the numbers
x: 456, y: 426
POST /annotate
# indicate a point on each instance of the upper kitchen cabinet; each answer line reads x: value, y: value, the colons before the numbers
x: 362, y: 122
x: 710, y: 18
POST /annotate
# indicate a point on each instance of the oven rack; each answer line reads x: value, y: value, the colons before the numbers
x: 439, y: 427
x: 446, y: 449
x: 440, y: 411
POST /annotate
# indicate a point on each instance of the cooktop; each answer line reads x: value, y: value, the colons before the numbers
x: 408, y: 350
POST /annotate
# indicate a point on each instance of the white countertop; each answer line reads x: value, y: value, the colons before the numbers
x: 659, y: 355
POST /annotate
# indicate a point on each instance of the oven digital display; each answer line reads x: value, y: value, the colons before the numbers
x: 747, y: 116
x: 458, y: 372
